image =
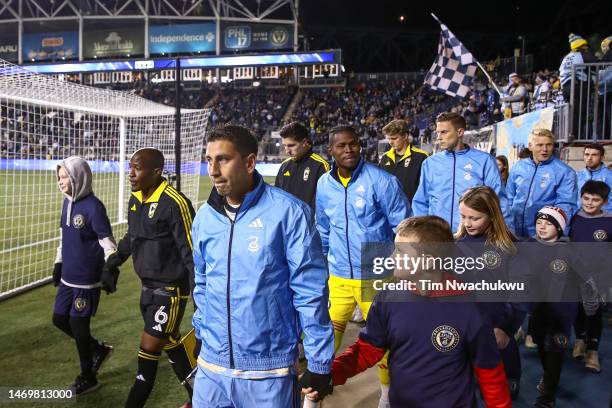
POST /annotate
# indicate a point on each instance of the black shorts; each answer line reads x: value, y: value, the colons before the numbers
x: 162, y: 310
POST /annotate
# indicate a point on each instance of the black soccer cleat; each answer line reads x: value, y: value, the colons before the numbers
x: 100, y: 355
x: 83, y: 385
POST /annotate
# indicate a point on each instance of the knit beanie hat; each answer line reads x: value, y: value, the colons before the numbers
x: 576, y: 41
x: 556, y: 216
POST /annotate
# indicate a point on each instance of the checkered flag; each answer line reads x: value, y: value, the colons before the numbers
x: 455, y: 67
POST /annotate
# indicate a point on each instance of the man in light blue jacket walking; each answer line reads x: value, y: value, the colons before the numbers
x: 448, y: 174
x: 540, y: 180
x: 260, y: 280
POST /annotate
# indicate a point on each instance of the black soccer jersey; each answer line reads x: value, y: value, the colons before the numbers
x: 159, y: 237
x: 406, y: 168
x: 299, y: 177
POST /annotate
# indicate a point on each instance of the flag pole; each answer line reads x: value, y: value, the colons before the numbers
x: 477, y: 63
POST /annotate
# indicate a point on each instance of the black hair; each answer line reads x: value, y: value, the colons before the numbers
x: 342, y: 129
x: 596, y: 146
x: 596, y: 188
x: 294, y: 130
x: 242, y: 138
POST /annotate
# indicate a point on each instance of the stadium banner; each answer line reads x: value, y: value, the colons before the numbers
x: 182, y: 38
x: 113, y: 42
x: 50, y: 46
x: 9, y: 43
x: 106, y: 166
x: 250, y: 37
x: 512, y: 135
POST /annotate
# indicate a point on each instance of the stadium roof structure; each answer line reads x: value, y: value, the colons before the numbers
x: 20, y: 84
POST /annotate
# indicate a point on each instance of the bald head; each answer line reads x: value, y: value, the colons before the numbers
x: 151, y: 157
x: 146, y: 167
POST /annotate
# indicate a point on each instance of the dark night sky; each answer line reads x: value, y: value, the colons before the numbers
x: 488, y: 29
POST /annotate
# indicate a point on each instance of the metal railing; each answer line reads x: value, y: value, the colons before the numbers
x: 590, y: 99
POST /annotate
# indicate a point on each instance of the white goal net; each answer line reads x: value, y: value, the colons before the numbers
x: 42, y: 121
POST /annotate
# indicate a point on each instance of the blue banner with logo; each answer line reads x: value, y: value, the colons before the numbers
x: 50, y: 46
x: 182, y: 38
x: 245, y: 36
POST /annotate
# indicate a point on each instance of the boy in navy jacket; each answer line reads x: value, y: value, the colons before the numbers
x: 591, y: 224
x: 433, y: 362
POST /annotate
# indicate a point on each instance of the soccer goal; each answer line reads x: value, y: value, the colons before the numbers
x: 43, y: 120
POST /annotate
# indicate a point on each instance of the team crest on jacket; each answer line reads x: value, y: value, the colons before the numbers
x: 152, y: 209
x: 600, y: 235
x: 407, y: 162
x: 78, y: 221
x: 445, y: 338
x: 492, y: 259
x: 558, y: 266
x: 306, y: 173
x: 80, y: 304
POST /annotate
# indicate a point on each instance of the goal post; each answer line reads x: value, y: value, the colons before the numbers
x: 44, y: 120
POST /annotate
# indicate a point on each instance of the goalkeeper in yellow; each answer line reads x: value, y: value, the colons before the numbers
x: 356, y: 203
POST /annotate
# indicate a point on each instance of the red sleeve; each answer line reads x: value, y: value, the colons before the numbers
x: 357, y: 358
x: 493, y: 386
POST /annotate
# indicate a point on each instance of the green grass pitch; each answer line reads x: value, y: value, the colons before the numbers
x: 35, y: 354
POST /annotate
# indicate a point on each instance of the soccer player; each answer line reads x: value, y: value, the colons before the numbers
x: 591, y: 224
x: 595, y: 169
x: 447, y: 174
x: 159, y: 240
x: 437, y: 361
x: 403, y: 160
x: 538, y: 181
x: 86, y: 239
x: 260, y: 278
x: 357, y: 203
x: 299, y: 174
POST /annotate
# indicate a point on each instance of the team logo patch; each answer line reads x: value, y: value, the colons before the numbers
x: 600, y: 235
x: 445, y: 338
x: 152, y: 209
x: 467, y: 176
x: 80, y: 304
x: 78, y: 221
x: 279, y: 36
x: 306, y: 173
x: 492, y: 259
x: 253, y: 244
x: 360, y: 203
x: 407, y: 162
x: 560, y: 340
x: 558, y: 266
x: 544, y: 181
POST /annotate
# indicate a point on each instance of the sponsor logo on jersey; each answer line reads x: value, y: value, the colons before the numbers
x: 133, y: 207
x: 286, y: 173
x: 445, y: 338
x: 545, y: 180
x: 600, y: 235
x: 467, y: 166
x: 256, y: 224
x: 152, y: 209
x: 78, y: 221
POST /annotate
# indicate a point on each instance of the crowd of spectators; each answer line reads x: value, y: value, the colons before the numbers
x: 366, y: 105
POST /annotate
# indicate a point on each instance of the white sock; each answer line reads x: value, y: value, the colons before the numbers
x: 383, y: 402
x: 310, y: 404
